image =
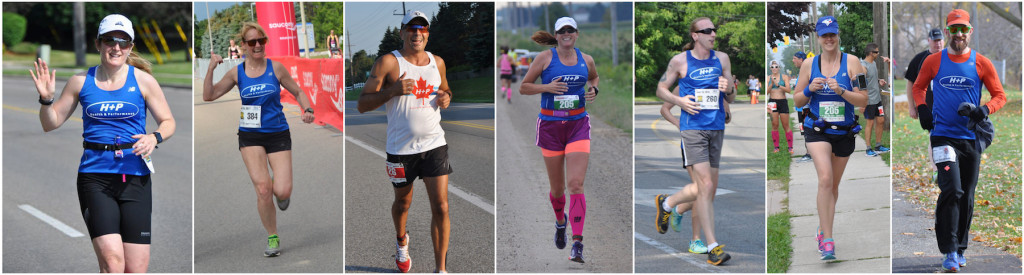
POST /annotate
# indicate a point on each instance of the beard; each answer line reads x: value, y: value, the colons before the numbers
x: 958, y: 44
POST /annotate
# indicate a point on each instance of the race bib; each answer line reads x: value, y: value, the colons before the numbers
x: 707, y: 98
x: 832, y: 111
x: 149, y: 163
x: 943, y: 153
x: 396, y: 172
x: 250, y: 116
x: 567, y: 102
x: 881, y: 111
x: 772, y: 106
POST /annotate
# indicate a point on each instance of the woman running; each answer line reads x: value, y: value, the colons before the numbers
x: 563, y: 126
x: 263, y: 135
x: 505, y: 63
x: 831, y: 86
x: 115, y: 192
x: 233, y: 50
x: 777, y: 103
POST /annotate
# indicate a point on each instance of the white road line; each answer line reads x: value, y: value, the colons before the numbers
x: 676, y: 253
x: 470, y: 197
x: 71, y: 232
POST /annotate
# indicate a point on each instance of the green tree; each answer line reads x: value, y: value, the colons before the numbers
x: 325, y: 16
x: 555, y: 10
x: 390, y: 42
x: 663, y: 28
x: 14, y: 28
x: 855, y: 27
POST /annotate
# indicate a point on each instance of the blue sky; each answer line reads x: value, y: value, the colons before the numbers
x: 366, y: 22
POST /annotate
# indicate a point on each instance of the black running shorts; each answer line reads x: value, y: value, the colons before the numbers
x: 842, y: 145
x: 404, y: 169
x: 272, y: 142
x: 116, y: 204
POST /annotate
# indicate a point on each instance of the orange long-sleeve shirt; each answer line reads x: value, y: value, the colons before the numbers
x: 986, y: 71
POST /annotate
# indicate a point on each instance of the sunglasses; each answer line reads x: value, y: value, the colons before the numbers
x: 707, y: 31
x: 252, y: 43
x: 774, y: 67
x: 110, y: 41
x: 958, y: 29
x: 566, y: 30
x: 417, y: 28
x: 874, y: 52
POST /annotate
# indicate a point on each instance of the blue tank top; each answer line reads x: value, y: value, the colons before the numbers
x: 826, y: 104
x: 954, y: 83
x: 701, y: 81
x: 261, y: 102
x: 112, y: 117
x: 575, y: 78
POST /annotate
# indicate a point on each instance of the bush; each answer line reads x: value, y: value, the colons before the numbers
x: 24, y: 48
x: 14, y: 28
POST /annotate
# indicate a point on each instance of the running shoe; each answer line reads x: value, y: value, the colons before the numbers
x: 828, y: 250
x: 776, y: 150
x: 960, y: 259
x: 273, y: 246
x: 790, y: 150
x: 871, y: 153
x: 283, y: 204
x: 806, y: 158
x: 949, y: 263
x: 675, y: 220
x: 560, y: 233
x: 663, y: 216
x: 576, y: 255
x: 402, y: 259
x: 698, y: 247
x: 820, y: 236
x: 881, y: 149
x: 718, y: 256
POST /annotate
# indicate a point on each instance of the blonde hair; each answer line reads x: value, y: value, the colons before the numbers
x: 138, y: 62
x: 693, y: 29
x: 544, y: 38
x: 249, y: 26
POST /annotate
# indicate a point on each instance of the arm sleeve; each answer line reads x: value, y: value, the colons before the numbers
x: 924, y: 77
x: 988, y: 75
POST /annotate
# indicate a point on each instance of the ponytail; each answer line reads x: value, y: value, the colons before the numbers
x: 141, y: 63
x: 688, y: 46
x: 544, y: 38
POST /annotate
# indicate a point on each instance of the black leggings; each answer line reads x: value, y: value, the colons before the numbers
x: 957, y: 179
x: 116, y: 204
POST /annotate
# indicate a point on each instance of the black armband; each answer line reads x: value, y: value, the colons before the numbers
x: 862, y: 81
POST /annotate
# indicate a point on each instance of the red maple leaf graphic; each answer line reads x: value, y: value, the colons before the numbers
x: 422, y: 90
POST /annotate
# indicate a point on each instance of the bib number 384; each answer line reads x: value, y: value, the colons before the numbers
x: 832, y: 111
x: 707, y: 98
x: 250, y: 117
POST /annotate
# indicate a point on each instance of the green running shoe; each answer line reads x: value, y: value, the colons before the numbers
x: 273, y: 246
x: 698, y: 247
x: 675, y: 220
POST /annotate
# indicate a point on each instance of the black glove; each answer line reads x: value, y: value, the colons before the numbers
x: 924, y: 115
x: 970, y: 110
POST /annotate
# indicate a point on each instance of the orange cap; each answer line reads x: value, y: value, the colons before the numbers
x: 958, y: 16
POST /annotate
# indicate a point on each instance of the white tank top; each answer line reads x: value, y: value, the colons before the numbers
x: 414, y: 121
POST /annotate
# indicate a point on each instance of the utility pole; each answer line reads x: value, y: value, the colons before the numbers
x: 79, y: 25
x: 348, y: 41
x: 305, y: 33
x: 547, y: 20
x: 403, y: 10
x: 615, y: 37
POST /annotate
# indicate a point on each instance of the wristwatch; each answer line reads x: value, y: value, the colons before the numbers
x: 308, y: 110
x: 46, y: 102
x: 159, y: 137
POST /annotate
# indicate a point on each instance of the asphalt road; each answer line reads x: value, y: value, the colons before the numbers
x: 739, y: 203
x: 40, y: 171
x: 229, y: 234
x: 526, y: 224
x: 369, y: 238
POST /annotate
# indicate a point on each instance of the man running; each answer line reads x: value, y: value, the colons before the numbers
x: 334, y: 44
x: 798, y: 61
x: 412, y: 84
x: 874, y: 113
x: 956, y: 74
x: 935, y: 43
x: 700, y: 73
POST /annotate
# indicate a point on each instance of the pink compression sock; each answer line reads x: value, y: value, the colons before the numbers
x: 559, y: 205
x: 775, y: 138
x: 577, y: 213
x: 508, y: 92
x: 789, y: 139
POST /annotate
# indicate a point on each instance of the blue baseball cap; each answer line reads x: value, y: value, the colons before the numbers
x: 826, y: 25
x: 800, y: 55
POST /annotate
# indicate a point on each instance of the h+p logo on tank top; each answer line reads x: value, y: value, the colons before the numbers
x: 705, y: 73
x: 257, y: 90
x: 955, y: 82
x: 112, y: 110
x: 422, y: 91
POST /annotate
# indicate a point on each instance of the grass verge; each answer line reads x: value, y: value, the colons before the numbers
x: 780, y: 247
x: 175, y: 69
